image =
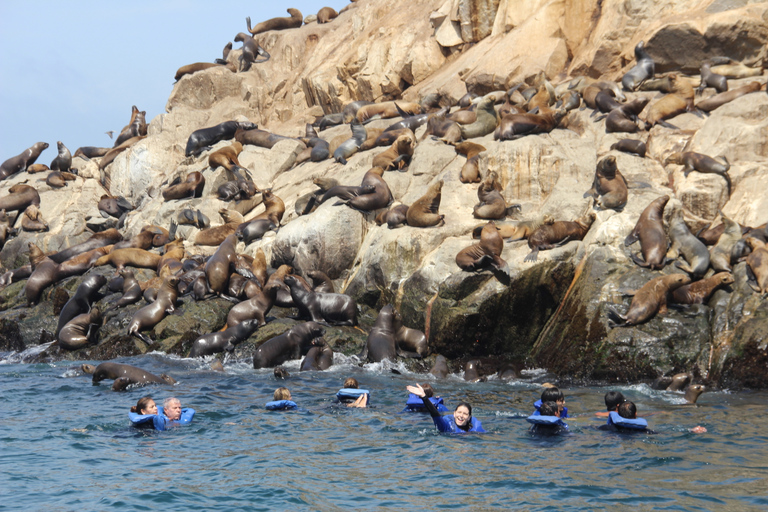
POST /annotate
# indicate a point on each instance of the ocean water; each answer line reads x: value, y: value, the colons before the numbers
x: 66, y: 444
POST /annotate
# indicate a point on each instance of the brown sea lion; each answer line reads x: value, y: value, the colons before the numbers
x: 226, y: 157
x: 142, y: 240
x: 693, y: 392
x: 35, y: 168
x: 438, y: 126
x: 648, y: 300
x: 318, y: 358
x: 191, y: 69
x: 380, y: 344
x: 718, y: 100
x: 255, y: 308
x: 326, y: 14
x: 274, y: 207
x: 720, y: 253
x: 609, y: 187
x: 678, y: 101
x: 120, y: 258
x: 331, y: 308
x: 132, y: 291
x: 5, y: 228
x: 136, y: 127
x: 126, y: 373
x: 514, y: 126
x: 410, y: 342
x: 440, y: 368
x: 701, y: 163
x: 492, y: 204
x: 549, y: 236
x: 381, y: 196
x: 80, y: 331
x: 320, y: 281
x: 20, y: 196
x: 637, y: 147
x: 219, y: 265
x: 699, y: 292
x: 295, y: 21
x: 398, y: 155
x: 101, y: 239
x: 686, y: 245
x: 257, y: 137
x: 516, y: 230
x: 757, y: 263
x: 386, y: 110
x: 424, y: 211
x: 470, y: 173
x: 487, y: 252
x: 21, y: 161
x: 88, y: 152
x: 394, y: 217
x: 192, y: 186
x: 45, y: 272
x: 32, y: 219
x: 77, y: 265
x: 624, y: 119
x: 113, y: 153
x: 59, y: 179
x: 650, y: 231
x: 151, y: 314
x: 216, y: 235
x: 290, y: 345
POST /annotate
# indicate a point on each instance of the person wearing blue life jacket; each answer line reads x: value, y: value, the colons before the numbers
x: 612, y: 401
x: 625, y: 419
x: 146, y: 414
x: 547, y: 419
x: 351, y: 395
x: 552, y: 394
x: 461, y: 421
x: 281, y: 401
x: 415, y: 404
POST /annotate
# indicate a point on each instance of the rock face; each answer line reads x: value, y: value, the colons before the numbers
x: 549, y: 313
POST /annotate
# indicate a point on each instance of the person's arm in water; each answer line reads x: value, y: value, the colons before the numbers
x: 442, y: 424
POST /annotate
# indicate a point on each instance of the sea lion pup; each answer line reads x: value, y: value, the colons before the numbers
x: 32, y: 219
x: 757, y: 264
x: 251, y: 51
x: 150, y: 315
x: 699, y: 292
x: 514, y: 126
x: 21, y: 161
x: 88, y: 152
x: 86, y: 294
x: 19, y: 198
x: 350, y: 146
x: 394, y: 217
x: 720, y: 253
x: 516, y: 230
x: 386, y: 110
x: 35, y: 168
x: 217, y: 234
x: 326, y: 14
x: 381, y: 197
x: 225, y: 340
x: 193, y: 217
x: 320, y: 281
x: 688, y: 246
x: 202, y: 139
x: 487, y: 252
x: 487, y: 120
x: 331, y: 308
x: 549, y: 236
x: 648, y: 300
x: 126, y: 373
x: 643, y: 70
x: 398, y: 156
x: 701, y: 163
x: 718, y: 100
x: 609, y: 187
x: 59, y: 179
x: 132, y: 291
x: 710, y: 79
x: 120, y: 258
x: 492, y: 204
x: 80, y: 331
x: 424, y: 211
x: 635, y: 146
x: 295, y: 21
x: 192, y: 186
x: 678, y: 101
x: 650, y: 231
x: 624, y: 119
x: 63, y: 161
x: 470, y: 172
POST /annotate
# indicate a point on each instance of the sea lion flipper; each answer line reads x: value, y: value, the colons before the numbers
x: 533, y: 256
x: 615, y: 319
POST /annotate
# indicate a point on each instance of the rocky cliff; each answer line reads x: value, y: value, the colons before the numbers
x: 550, y: 313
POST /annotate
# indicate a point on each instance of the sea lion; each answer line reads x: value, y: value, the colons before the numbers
x: 331, y: 308
x: 718, y: 100
x: 471, y: 371
x: 701, y: 163
x: 255, y: 229
x: 386, y: 110
x: 710, y: 79
x: 320, y: 281
x: 219, y: 265
x: 398, y: 155
x: 191, y: 69
x: 642, y: 71
x: 693, y: 392
x: 609, y: 187
x: 624, y: 119
x: 650, y: 231
x: 549, y: 236
x: 194, y: 217
x: 688, y: 246
x: 470, y: 173
x: 409, y: 342
x: 648, y: 300
x: 290, y: 345
x: 635, y: 146
x: 80, y: 331
x: 394, y: 217
x: 132, y: 291
x: 21, y: 161
x: 5, y: 228
x: 131, y: 374
x: 294, y: 21
x: 35, y: 168
x: 136, y: 127
x: 202, y: 139
x: 237, y: 190
x: 256, y: 307
x: 113, y: 153
x: 492, y: 204
x: 59, y: 179
x: 19, y: 198
x: 117, y: 207
x: 32, y: 219
x: 514, y: 126
x: 217, y: 234
x: 699, y: 292
x: 86, y: 294
x: 226, y: 157
x: 326, y: 14
x: 318, y: 358
x: 516, y: 230
x: 45, y: 272
x: 486, y: 122
x: 380, y: 197
x: 487, y: 252
x: 191, y: 187
x: 323, y: 122
x: 605, y: 101
x: 63, y: 161
x: 88, y: 152
x: 351, y: 145
x: 757, y: 263
x: 251, y: 51
x: 346, y: 193
x: 261, y: 138
x: 349, y: 112
x: 424, y: 211
x: 134, y: 257
x: 678, y: 101
x: 440, y: 367
x: 447, y: 130
x: 720, y: 253
x: 274, y: 207
x: 221, y: 341
x: 380, y: 344
x: 150, y: 315
x: 142, y: 240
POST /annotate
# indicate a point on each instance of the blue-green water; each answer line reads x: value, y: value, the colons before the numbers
x: 66, y: 445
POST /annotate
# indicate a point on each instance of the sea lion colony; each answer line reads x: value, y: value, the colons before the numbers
x: 521, y: 111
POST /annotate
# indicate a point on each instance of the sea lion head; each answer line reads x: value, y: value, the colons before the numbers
x: 167, y: 378
x: 587, y: 220
x: 607, y: 167
x: 35, y: 254
x: 88, y: 368
x: 755, y: 243
x: 724, y: 278
x: 693, y: 391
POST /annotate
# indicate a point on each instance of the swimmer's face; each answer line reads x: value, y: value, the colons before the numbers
x: 151, y: 408
x: 461, y: 416
x: 173, y: 410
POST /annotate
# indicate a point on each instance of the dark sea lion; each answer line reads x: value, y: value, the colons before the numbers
x: 650, y: 231
x: 200, y: 140
x: 720, y: 253
x: 19, y: 198
x: 80, y: 331
x: 609, y: 187
x: 192, y: 186
x: 255, y: 308
x: 380, y: 197
x: 255, y: 229
x: 63, y: 161
x: 150, y: 315
x: 21, y: 161
x: 132, y: 374
x: 470, y: 173
x: 635, y: 146
x: 757, y: 264
x: 86, y: 294
x: 88, y: 152
x: 605, y: 101
x: 32, y: 219
x: 295, y: 21
x: 514, y: 126
x: 221, y: 341
x: 424, y: 211
x: 718, y: 100
x: 114, y: 206
x: 693, y: 392
x: 331, y: 308
x: 394, y: 217
x: 350, y: 146
x: 643, y: 70
x: 381, y: 340
x: 323, y: 122
x: 701, y: 163
x: 194, y: 217
x: 440, y: 368
x: 699, y: 292
x: 398, y: 155
x: 326, y: 14
x: 290, y: 345
x: 134, y: 257
x: 346, y: 193
x: 409, y: 342
x: 710, y: 79
x: 318, y: 358
x: 486, y: 252
x: 471, y: 373
x: 549, y: 236
x: 320, y: 281
x: 386, y: 110
x: 688, y: 246
x: 219, y: 266
x: 251, y: 52
x: 217, y: 234
x: 191, y: 69
x: 648, y: 300
x: 624, y: 119
x: 132, y: 291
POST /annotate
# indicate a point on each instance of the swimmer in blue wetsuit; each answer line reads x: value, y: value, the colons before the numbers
x: 460, y: 421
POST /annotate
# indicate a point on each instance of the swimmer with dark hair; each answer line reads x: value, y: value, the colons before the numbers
x: 460, y: 422
x: 612, y: 401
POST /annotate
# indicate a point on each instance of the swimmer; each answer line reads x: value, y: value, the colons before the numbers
x: 172, y: 408
x: 361, y: 400
x: 553, y: 394
x: 145, y: 405
x: 548, y: 419
x: 414, y: 403
x: 281, y: 400
x: 460, y: 421
x: 612, y: 401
